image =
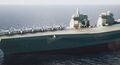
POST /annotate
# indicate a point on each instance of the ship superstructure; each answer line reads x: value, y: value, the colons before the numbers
x: 105, y: 19
x: 79, y: 21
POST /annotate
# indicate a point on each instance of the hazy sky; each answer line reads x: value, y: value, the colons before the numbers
x: 60, y: 2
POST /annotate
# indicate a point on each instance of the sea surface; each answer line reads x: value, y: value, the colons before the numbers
x: 29, y: 16
x: 104, y: 58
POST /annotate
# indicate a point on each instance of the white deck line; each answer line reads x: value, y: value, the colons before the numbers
x: 81, y: 31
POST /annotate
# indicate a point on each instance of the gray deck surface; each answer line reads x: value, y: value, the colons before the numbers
x: 115, y: 27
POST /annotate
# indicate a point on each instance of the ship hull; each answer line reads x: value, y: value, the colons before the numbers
x: 107, y: 47
x: 62, y: 44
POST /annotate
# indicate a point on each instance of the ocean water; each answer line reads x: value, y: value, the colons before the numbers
x: 104, y: 58
x: 20, y: 16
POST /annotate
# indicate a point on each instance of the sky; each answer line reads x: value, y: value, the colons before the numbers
x: 59, y: 2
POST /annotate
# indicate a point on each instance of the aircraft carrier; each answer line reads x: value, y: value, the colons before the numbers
x: 78, y: 37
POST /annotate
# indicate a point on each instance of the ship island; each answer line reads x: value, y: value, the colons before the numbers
x: 79, y: 37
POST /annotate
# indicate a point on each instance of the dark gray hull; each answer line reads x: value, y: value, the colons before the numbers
x: 59, y: 43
